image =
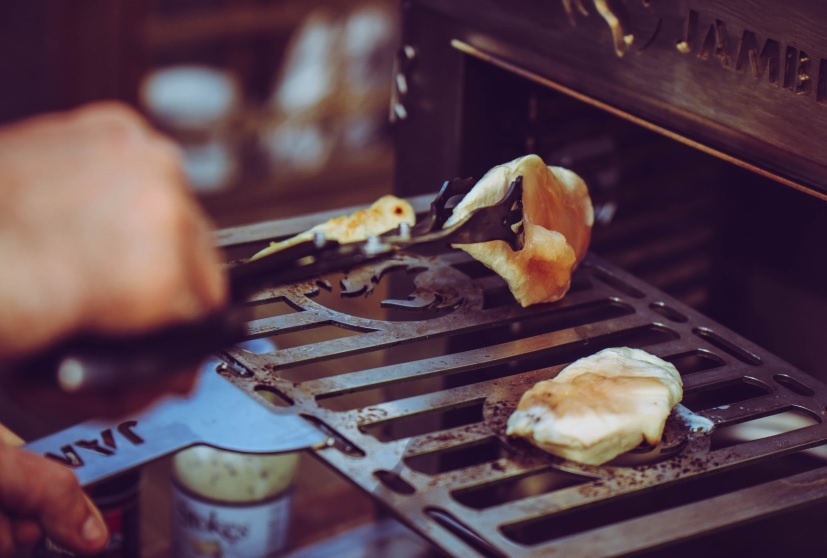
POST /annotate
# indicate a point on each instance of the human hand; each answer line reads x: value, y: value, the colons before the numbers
x: 98, y: 233
x: 40, y: 497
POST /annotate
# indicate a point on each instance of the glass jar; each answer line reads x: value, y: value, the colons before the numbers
x: 228, y: 504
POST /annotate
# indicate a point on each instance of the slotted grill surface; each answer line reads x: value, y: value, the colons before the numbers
x: 462, y: 484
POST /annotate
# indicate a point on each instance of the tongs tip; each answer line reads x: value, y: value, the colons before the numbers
x: 500, y: 221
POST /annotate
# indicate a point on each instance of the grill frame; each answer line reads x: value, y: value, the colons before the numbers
x: 608, y: 284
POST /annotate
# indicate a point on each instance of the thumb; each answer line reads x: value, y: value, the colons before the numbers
x: 35, y: 488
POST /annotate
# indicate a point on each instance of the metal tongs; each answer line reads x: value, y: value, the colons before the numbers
x: 94, y: 363
x: 312, y: 258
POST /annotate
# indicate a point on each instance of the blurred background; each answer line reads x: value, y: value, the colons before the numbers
x: 267, y: 97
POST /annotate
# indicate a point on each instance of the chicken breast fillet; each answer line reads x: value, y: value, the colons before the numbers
x: 557, y: 222
x: 386, y: 213
x: 599, y: 406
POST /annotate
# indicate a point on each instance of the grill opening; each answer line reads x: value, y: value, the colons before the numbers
x: 757, y: 429
x: 272, y: 307
x: 793, y: 384
x: 394, y: 482
x: 424, y: 385
x: 695, y: 361
x: 668, y: 312
x: 374, y: 396
x: 274, y: 396
x: 638, y: 337
x: 426, y: 348
x: 740, y: 353
x: 516, y: 488
x: 723, y: 394
x: 466, y: 412
x: 457, y: 457
x: 607, y: 512
x: 546, y: 358
x: 356, y: 363
x: 310, y: 335
x: 561, y: 319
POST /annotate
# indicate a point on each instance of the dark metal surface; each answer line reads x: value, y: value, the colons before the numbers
x: 744, y: 80
x: 450, y: 479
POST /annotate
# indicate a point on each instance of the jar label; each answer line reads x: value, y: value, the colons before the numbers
x: 203, y: 528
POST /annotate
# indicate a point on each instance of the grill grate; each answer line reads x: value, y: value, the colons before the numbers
x: 431, y: 444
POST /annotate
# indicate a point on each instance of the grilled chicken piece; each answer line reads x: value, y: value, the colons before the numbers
x: 599, y: 406
x: 386, y: 213
x: 557, y: 222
